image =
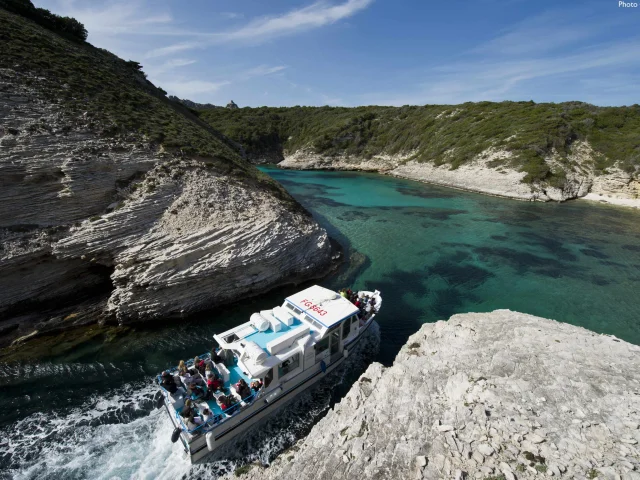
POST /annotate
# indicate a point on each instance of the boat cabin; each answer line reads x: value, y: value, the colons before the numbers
x: 310, y: 327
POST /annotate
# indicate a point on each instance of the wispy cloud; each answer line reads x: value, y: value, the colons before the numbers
x: 262, y: 70
x: 266, y: 28
x: 169, y: 65
x: 171, y: 49
x: 539, y: 50
x: 189, y: 88
x: 231, y: 15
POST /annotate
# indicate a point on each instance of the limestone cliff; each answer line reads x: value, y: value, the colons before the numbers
x: 499, y: 395
x: 117, y: 198
x: 482, y: 175
x: 521, y: 150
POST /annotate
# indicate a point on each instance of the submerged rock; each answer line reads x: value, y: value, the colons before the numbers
x: 500, y: 395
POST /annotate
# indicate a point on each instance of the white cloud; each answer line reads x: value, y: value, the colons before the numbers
x: 523, y: 60
x: 171, y: 49
x: 314, y: 16
x: 172, y: 64
x: 262, y: 70
x: 189, y: 88
x: 266, y: 28
x: 231, y: 15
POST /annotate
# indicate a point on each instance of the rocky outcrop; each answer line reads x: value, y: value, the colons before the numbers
x: 490, y: 173
x: 232, y: 105
x: 159, y: 234
x: 499, y: 395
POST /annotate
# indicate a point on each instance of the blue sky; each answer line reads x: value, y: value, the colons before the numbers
x: 373, y: 52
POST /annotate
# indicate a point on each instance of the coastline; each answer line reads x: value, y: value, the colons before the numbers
x: 469, y: 178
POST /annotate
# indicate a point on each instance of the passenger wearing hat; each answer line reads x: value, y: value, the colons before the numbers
x: 168, y: 383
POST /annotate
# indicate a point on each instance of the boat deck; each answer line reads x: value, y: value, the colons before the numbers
x: 262, y: 338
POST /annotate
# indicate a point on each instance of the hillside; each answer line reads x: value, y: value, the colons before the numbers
x: 542, y: 145
x: 119, y: 204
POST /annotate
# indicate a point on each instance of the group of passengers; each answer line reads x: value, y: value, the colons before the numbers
x: 192, y: 416
x: 193, y: 378
x: 365, y: 303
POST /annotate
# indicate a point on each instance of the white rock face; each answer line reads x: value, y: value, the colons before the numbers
x: 168, y: 235
x: 526, y: 398
x: 196, y: 240
x: 484, y: 175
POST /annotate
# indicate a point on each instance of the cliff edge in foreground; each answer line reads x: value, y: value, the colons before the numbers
x: 498, y: 395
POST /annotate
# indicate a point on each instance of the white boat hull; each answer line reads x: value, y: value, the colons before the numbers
x: 204, y: 442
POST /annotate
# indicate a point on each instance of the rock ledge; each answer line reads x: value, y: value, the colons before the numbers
x: 484, y: 395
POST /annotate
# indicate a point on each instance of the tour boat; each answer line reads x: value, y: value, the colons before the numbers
x: 285, y: 351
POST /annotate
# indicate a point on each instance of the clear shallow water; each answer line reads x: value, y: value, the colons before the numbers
x: 431, y: 251
x: 434, y: 252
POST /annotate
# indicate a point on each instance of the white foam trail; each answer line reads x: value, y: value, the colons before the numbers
x: 121, y: 435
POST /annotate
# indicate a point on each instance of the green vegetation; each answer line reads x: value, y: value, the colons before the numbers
x: 242, y: 470
x: 112, y: 97
x: 442, y: 134
x: 67, y: 26
x: 110, y: 94
x: 592, y: 474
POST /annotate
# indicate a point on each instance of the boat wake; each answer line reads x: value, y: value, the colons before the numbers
x: 122, y: 435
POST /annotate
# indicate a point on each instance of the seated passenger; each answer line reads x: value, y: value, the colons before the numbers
x: 227, y: 357
x: 187, y: 409
x: 194, y: 385
x: 215, y: 357
x: 194, y: 420
x: 199, y: 366
x: 213, y: 383
x: 243, y: 389
x: 343, y: 293
x: 168, y: 383
x: 256, y: 385
x: 182, y: 368
x: 206, y: 415
x: 223, y: 402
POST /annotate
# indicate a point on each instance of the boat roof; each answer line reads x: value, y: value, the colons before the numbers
x: 323, y: 305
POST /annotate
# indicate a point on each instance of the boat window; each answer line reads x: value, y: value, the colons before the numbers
x: 289, y: 365
x: 321, y: 346
x: 291, y: 307
x: 354, y: 319
x: 313, y: 322
x: 268, y: 378
x: 335, y: 341
x: 333, y: 329
x: 346, y: 329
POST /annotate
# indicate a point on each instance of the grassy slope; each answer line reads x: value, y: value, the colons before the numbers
x: 116, y: 96
x: 443, y: 133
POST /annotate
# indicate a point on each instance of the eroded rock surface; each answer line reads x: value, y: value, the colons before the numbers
x: 483, y: 395
x: 159, y: 233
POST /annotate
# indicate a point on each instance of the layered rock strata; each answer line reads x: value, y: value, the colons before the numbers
x: 159, y: 234
x: 499, y: 395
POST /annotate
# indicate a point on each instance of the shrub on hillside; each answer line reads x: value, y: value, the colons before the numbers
x: 67, y: 26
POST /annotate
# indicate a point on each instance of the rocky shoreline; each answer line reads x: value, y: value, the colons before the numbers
x: 481, y: 176
x: 500, y: 395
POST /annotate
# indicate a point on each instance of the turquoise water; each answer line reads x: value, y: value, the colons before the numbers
x: 432, y: 252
